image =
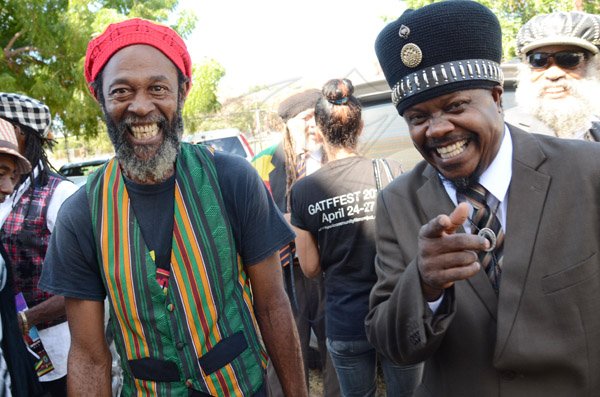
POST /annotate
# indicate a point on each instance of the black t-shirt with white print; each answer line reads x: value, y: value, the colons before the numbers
x: 337, y: 205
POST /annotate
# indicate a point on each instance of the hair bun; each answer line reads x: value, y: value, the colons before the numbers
x: 338, y: 91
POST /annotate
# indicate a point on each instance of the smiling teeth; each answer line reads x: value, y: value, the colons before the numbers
x: 144, y: 131
x: 455, y: 149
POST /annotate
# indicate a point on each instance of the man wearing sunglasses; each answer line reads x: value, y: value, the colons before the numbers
x: 560, y: 76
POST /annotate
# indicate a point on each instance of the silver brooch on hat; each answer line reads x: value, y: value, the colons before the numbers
x: 411, y: 55
x: 404, y: 31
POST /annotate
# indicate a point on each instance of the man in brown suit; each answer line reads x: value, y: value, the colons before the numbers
x: 499, y: 293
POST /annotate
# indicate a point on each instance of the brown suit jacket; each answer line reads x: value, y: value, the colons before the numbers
x: 541, y: 335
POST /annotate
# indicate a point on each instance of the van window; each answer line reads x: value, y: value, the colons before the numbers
x: 230, y: 145
x: 385, y: 135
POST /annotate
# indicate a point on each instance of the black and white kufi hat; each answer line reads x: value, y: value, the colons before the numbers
x: 25, y: 111
x: 560, y: 28
x: 438, y: 49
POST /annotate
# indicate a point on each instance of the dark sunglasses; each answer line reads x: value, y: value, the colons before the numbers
x: 562, y: 59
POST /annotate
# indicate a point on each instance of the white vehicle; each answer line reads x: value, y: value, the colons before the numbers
x: 230, y: 140
x: 78, y: 171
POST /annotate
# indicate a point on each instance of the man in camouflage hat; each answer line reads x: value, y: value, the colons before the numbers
x: 559, y: 78
x: 488, y: 271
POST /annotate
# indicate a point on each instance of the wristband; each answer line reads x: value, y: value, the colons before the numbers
x: 24, y: 323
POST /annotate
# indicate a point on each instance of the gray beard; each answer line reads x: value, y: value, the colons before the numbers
x: 146, y: 170
x: 568, y: 117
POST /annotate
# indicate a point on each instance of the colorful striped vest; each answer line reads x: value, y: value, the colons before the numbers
x: 202, y: 334
x: 25, y: 236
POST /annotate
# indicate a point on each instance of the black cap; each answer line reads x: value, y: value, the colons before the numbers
x: 438, y: 49
x: 298, y: 103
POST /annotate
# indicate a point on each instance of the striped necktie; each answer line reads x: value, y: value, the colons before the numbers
x: 484, y: 218
x: 301, y: 167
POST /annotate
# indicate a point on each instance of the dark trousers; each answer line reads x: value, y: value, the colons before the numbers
x: 309, y: 313
x: 56, y: 388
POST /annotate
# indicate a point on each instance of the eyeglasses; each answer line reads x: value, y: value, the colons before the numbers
x: 562, y: 59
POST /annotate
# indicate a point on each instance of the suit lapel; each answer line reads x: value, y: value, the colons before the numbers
x: 526, y: 197
x: 483, y: 288
x: 429, y: 196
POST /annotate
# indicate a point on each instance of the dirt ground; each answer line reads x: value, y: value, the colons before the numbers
x: 316, y: 384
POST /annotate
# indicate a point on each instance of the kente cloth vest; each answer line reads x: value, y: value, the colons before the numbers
x: 199, y: 333
x: 25, y: 236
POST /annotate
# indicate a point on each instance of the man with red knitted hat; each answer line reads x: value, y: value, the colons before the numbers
x: 183, y: 241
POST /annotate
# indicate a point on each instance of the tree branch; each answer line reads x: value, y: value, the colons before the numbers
x: 10, y: 53
x: 18, y: 51
x: 11, y: 42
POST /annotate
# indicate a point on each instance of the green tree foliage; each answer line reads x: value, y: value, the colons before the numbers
x: 514, y: 13
x: 43, y: 46
x: 251, y: 113
x: 203, y: 95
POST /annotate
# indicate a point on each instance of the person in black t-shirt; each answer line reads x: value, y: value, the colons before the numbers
x: 334, y: 219
x: 297, y: 155
x: 195, y: 288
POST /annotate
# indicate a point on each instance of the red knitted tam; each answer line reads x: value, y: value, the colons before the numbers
x: 130, y: 32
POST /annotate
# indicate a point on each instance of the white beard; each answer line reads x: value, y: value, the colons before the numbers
x: 568, y: 117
